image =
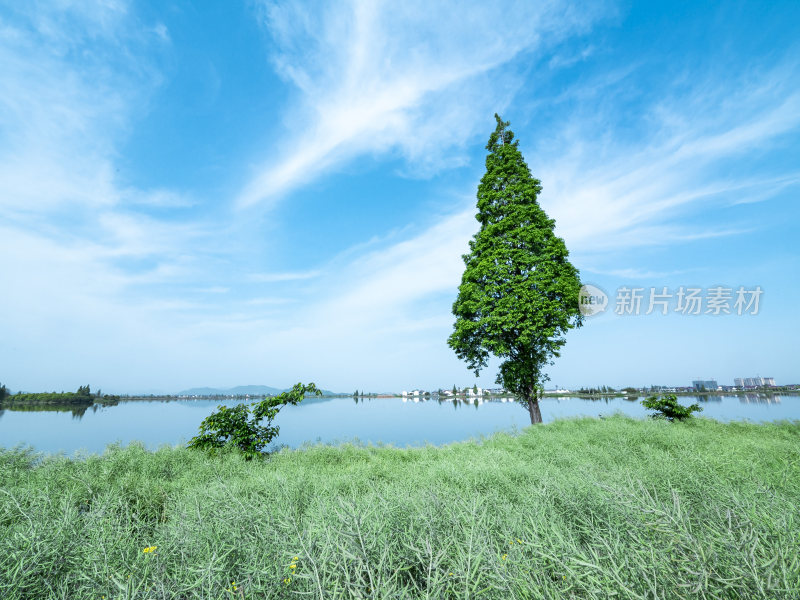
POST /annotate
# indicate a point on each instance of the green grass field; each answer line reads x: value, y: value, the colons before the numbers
x: 575, y: 509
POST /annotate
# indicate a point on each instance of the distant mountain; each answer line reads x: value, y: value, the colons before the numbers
x: 241, y: 390
x: 254, y: 390
x: 202, y: 391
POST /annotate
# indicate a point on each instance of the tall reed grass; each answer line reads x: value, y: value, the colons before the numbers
x: 576, y: 509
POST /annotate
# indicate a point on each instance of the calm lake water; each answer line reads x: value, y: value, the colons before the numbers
x: 332, y: 420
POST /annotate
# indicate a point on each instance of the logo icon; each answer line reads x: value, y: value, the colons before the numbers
x: 592, y: 300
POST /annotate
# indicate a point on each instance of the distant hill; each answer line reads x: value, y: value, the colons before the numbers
x: 254, y: 390
x: 241, y: 390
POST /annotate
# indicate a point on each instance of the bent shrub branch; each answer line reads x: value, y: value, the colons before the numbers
x: 241, y: 427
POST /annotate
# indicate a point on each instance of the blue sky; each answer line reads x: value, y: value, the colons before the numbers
x: 254, y: 192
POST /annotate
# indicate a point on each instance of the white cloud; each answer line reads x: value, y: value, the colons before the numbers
x: 95, y: 285
x: 78, y: 254
x: 692, y: 155
x: 268, y: 300
x: 385, y: 285
x: 388, y: 312
x: 161, y: 31
x: 157, y: 198
x: 367, y: 318
x: 74, y: 73
x: 560, y: 61
x: 414, y: 78
x: 761, y: 190
x: 632, y: 273
x: 288, y: 276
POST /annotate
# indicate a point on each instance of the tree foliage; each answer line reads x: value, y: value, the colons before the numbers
x: 82, y: 397
x: 519, y: 293
x: 667, y: 407
x: 241, y: 426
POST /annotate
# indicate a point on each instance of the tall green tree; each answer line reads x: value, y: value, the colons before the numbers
x: 519, y: 293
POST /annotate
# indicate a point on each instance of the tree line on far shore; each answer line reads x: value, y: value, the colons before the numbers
x: 84, y: 395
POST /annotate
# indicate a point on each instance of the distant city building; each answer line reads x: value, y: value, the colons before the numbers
x: 708, y: 385
x: 754, y: 382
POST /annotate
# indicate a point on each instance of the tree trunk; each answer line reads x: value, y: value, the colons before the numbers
x: 533, y: 408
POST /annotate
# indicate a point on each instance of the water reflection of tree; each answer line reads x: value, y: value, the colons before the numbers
x: 705, y: 398
x: 77, y: 410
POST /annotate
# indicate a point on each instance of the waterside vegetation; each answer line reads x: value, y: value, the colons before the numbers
x: 588, y: 508
x: 84, y: 395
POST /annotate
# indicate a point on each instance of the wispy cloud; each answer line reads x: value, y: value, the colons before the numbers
x: 410, y: 78
x: 288, y: 276
x: 74, y: 76
x: 268, y: 300
x: 560, y: 61
x: 760, y: 190
x: 609, y: 197
x: 82, y: 250
x: 69, y: 86
x: 93, y: 267
x: 692, y: 154
x: 631, y: 273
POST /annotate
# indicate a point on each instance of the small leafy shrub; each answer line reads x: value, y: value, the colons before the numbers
x: 667, y: 407
x: 241, y: 427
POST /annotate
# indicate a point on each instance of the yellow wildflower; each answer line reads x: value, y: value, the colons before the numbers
x: 293, y: 566
x: 505, y: 556
x: 149, y: 549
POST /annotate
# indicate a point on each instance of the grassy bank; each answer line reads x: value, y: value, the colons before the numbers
x: 575, y: 509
